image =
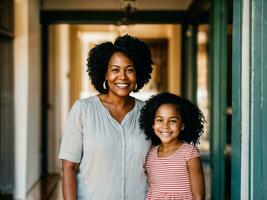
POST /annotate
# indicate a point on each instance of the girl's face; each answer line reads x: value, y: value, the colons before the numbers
x: 167, y: 124
x: 121, y: 75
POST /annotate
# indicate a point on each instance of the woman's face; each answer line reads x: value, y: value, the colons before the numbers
x: 121, y: 75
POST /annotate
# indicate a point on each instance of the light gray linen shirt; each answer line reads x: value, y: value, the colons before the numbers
x: 111, y: 155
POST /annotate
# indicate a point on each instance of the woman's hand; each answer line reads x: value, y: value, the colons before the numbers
x: 69, y: 181
x: 196, y: 178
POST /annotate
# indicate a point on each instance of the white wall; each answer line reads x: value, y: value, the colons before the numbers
x: 21, y: 96
x: 34, y: 95
x: 59, y: 65
x: 27, y: 95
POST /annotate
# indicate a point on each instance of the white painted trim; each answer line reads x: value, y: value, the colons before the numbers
x: 21, y: 71
x: 245, y: 99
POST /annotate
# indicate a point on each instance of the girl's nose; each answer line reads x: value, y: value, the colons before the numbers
x: 166, y: 124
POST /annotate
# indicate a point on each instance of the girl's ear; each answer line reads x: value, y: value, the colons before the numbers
x: 153, y: 125
x: 182, y: 127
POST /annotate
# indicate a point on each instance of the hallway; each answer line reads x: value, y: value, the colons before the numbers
x: 43, y: 49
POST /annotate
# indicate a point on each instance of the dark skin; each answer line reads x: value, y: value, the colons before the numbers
x: 121, y: 80
x: 69, y: 182
x: 196, y: 178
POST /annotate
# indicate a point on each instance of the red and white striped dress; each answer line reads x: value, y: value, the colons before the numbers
x: 168, y: 177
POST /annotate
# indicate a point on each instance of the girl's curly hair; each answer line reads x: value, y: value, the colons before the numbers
x: 192, y: 117
x: 135, y: 49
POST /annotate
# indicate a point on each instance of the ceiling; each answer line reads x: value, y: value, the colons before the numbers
x: 123, y: 12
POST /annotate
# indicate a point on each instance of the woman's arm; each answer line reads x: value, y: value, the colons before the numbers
x: 69, y: 181
x: 196, y: 178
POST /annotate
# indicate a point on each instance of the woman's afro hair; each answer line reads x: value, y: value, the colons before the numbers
x: 192, y: 117
x: 136, y: 50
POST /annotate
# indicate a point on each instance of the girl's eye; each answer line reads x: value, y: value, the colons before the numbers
x: 158, y: 120
x: 173, y: 121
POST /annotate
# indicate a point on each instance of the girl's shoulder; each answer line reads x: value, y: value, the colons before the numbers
x: 189, y: 151
x: 153, y: 150
x: 188, y: 146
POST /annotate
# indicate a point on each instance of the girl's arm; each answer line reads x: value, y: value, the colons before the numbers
x: 196, y: 178
x: 69, y: 181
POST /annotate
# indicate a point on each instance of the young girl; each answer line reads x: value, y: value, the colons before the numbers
x: 174, y: 125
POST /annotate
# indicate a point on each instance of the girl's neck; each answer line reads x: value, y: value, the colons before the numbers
x: 166, y: 147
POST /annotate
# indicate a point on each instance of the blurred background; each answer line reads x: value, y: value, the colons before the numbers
x: 43, y: 52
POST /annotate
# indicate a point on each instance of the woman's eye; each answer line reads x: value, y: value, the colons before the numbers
x: 130, y: 70
x: 114, y: 69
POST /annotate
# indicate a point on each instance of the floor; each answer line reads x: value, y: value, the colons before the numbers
x: 49, y: 188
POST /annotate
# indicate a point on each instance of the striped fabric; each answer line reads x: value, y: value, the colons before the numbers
x: 168, y: 177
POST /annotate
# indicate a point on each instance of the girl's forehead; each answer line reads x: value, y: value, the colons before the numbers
x: 168, y: 107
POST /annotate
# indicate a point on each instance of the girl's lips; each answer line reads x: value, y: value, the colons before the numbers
x: 165, y: 134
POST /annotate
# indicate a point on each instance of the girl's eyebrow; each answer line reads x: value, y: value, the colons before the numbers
x: 156, y: 116
x: 169, y: 117
x: 114, y: 65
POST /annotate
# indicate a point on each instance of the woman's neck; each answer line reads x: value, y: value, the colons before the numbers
x: 116, y: 100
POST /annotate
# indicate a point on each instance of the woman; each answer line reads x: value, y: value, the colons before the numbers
x: 103, y: 149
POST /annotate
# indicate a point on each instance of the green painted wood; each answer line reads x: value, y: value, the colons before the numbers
x: 259, y: 98
x: 189, y: 71
x: 236, y: 100
x: 218, y: 69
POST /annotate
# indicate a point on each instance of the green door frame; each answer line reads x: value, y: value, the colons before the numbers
x: 258, y: 98
x: 218, y: 84
x: 249, y: 127
x: 236, y: 100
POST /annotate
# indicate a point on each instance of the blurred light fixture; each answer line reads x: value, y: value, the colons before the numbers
x: 128, y: 8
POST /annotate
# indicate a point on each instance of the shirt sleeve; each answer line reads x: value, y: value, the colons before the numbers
x: 72, y: 141
x: 191, y: 152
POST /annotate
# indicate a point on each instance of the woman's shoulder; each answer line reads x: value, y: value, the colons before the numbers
x: 139, y: 103
x: 84, y: 103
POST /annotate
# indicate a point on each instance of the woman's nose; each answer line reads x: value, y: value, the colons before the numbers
x: 123, y: 75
